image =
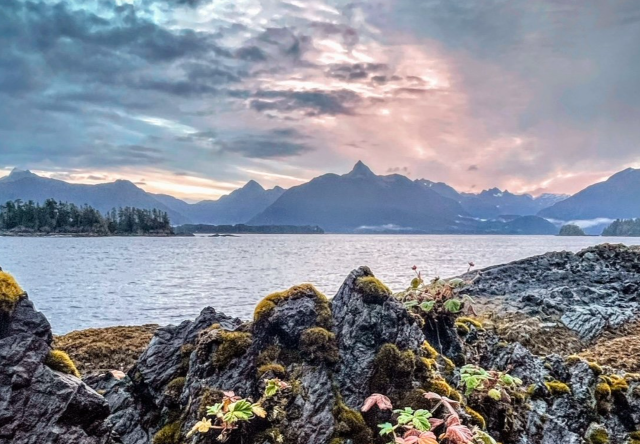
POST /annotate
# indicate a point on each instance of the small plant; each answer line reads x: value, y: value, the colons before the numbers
x: 418, y: 426
x: 494, y: 384
x: 233, y: 411
x: 407, y: 421
x: 438, y: 295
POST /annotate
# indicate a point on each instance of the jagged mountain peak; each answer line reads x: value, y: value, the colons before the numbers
x: 360, y: 170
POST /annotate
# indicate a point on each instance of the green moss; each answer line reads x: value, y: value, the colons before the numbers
x: 429, y: 351
x: 277, y: 370
x: 323, y: 308
x: 573, y: 359
x: 10, y: 292
x: 557, y: 388
x: 372, y: 289
x: 60, y: 361
x: 185, y: 356
x: 175, y: 387
x: 269, y: 355
x: 617, y: 383
x: 209, y: 397
x: 415, y: 399
x: 603, y: 390
x: 391, y: 366
x: 169, y: 434
x: 232, y: 345
x: 462, y: 328
x: 350, y: 424
x: 467, y: 320
x: 476, y: 418
x: 598, y: 435
x: 438, y: 385
x: 448, y: 365
x: 595, y: 368
x: 319, y: 345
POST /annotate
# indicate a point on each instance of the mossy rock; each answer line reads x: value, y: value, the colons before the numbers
x: 269, y: 355
x: 416, y: 400
x: 470, y: 321
x: 61, y: 362
x: 319, y: 345
x: 175, y: 387
x: 269, y: 303
x: 10, y: 292
x: 392, y: 368
x: 372, y: 289
x: 617, y: 383
x: 233, y: 344
x: 273, y: 368
x: 462, y: 328
x: 350, y: 424
x: 557, y: 388
x: 597, y: 435
x: 429, y: 351
x: 476, y: 417
x: 208, y: 398
x: 169, y: 434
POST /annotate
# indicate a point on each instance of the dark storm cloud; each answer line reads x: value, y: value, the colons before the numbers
x: 279, y: 143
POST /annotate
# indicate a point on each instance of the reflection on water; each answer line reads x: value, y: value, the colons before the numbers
x: 94, y: 282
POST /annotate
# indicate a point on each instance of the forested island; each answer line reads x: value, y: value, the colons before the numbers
x: 248, y: 229
x: 19, y: 218
x: 623, y: 227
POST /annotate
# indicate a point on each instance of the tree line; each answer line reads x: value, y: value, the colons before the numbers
x: 623, y: 227
x: 62, y: 217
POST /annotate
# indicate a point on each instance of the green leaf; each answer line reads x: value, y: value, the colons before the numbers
x: 457, y: 282
x: 386, y: 428
x: 421, y: 420
x: 213, y: 410
x: 453, y: 305
x: 239, y: 411
x: 415, y: 282
x: 427, y: 306
x: 271, y: 388
x: 410, y: 304
x: 495, y: 394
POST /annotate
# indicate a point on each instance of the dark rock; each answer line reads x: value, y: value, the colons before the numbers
x: 38, y: 404
x: 590, y: 291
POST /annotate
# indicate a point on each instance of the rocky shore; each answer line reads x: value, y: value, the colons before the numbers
x: 520, y: 353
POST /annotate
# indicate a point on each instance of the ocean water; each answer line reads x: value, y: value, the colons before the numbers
x: 95, y: 282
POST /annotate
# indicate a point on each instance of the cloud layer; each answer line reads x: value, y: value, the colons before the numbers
x: 195, y: 97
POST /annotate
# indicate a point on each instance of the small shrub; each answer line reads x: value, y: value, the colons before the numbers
x: 61, y: 362
x: 10, y: 292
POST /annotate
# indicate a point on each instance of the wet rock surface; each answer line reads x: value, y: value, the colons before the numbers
x: 589, y: 292
x: 38, y: 404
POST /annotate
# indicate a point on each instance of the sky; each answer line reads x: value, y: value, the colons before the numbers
x: 195, y: 97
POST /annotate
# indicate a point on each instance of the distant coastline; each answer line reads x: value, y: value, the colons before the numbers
x: 190, y: 229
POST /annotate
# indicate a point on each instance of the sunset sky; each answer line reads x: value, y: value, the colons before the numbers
x: 195, y: 97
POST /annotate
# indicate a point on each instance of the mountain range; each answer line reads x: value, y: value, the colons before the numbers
x: 360, y: 201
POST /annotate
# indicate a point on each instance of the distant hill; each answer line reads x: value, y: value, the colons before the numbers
x: 492, y: 203
x: 616, y: 198
x: 26, y: 186
x: 237, y: 207
x: 360, y: 199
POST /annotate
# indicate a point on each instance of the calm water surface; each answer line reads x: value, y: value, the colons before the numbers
x: 80, y: 283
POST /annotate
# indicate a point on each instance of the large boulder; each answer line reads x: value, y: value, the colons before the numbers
x: 39, y: 405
